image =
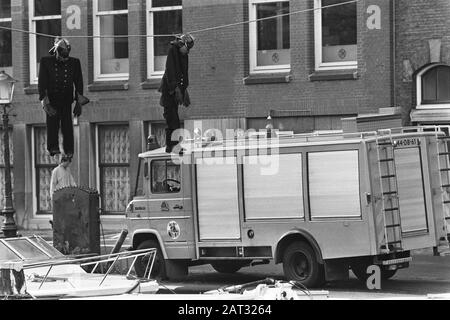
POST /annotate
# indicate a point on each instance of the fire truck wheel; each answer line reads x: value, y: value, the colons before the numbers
x: 300, y: 264
x: 158, y: 270
x: 228, y: 266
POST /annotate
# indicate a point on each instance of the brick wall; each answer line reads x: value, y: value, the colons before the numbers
x: 219, y: 62
x: 418, y: 21
x: 218, y: 65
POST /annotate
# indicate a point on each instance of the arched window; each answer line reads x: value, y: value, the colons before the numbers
x: 433, y: 86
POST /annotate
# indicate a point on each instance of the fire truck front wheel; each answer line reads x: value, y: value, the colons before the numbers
x: 300, y: 264
x: 158, y: 270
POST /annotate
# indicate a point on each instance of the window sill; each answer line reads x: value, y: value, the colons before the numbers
x: 266, y: 78
x: 330, y: 75
x: 433, y: 106
x: 31, y: 89
x: 151, y: 84
x: 108, y: 86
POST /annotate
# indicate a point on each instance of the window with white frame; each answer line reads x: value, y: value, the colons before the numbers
x: 2, y: 166
x: 43, y: 166
x: 45, y: 17
x: 113, y: 161
x: 164, y: 17
x: 111, y: 40
x: 433, y: 86
x: 270, y: 37
x: 5, y: 37
x: 335, y: 28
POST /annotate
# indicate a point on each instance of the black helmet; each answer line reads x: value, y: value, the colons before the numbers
x: 185, y: 40
x: 61, y: 45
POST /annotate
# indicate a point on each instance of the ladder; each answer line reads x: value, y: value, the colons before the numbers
x: 391, y: 233
x: 444, y: 178
x: 443, y: 156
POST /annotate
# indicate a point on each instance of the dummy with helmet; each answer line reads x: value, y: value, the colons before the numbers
x: 174, y: 84
x: 61, y: 49
x: 60, y: 83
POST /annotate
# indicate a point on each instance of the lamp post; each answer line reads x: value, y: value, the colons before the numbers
x: 9, y: 228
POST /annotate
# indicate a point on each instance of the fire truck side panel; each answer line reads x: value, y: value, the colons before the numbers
x: 415, y: 194
x: 244, y: 204
x: 434, y: 168
x: 272, y: 205
x: 413, y: 185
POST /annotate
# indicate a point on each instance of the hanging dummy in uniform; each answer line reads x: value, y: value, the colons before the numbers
x: 59, y: 75
x: 174, y: 84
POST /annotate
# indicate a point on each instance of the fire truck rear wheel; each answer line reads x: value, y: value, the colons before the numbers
x: 300, y: 264
x: 228, y: 266
x: 158, y: 270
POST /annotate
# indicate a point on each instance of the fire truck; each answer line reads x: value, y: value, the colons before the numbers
x: 320, y: 204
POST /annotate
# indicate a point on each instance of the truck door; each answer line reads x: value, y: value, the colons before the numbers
x: 169, y: 209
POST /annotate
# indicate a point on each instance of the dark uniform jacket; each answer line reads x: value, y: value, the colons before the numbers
x: 175, y: 75
x: 58, y: 78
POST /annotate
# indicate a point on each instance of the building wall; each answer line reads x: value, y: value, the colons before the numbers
x: 220, y: 63
x: 222, y: 91
x: 416, y: 23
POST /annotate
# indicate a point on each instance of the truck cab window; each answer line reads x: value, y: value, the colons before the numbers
x: 165, y: 176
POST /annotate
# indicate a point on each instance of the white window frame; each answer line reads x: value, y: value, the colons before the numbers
x: 2, y: 20
x: 253, y: 41
x: 318, y: 44
x: 419, y: 90
x: 5, y: 20
x: 98, y: 76
x: 33, y: 54
x: 151, y: 73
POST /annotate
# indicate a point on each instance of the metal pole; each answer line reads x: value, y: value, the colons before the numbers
x: 9, y: 227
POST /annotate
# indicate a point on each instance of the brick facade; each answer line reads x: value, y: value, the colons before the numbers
x: 416, y: 23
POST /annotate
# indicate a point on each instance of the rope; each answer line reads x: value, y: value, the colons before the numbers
x: 191, y: 32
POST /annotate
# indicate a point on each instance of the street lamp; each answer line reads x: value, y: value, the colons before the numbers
x: 6, y: 95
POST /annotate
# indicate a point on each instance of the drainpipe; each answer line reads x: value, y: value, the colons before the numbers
x: 394, y: 60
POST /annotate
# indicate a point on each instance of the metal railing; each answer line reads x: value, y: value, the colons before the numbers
x: 114, y: 258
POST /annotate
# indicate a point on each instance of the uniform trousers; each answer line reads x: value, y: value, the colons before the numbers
x: 172, y: 120
x: 63, y: 120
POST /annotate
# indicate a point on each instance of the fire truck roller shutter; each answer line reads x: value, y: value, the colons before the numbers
x: 218, y: 199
